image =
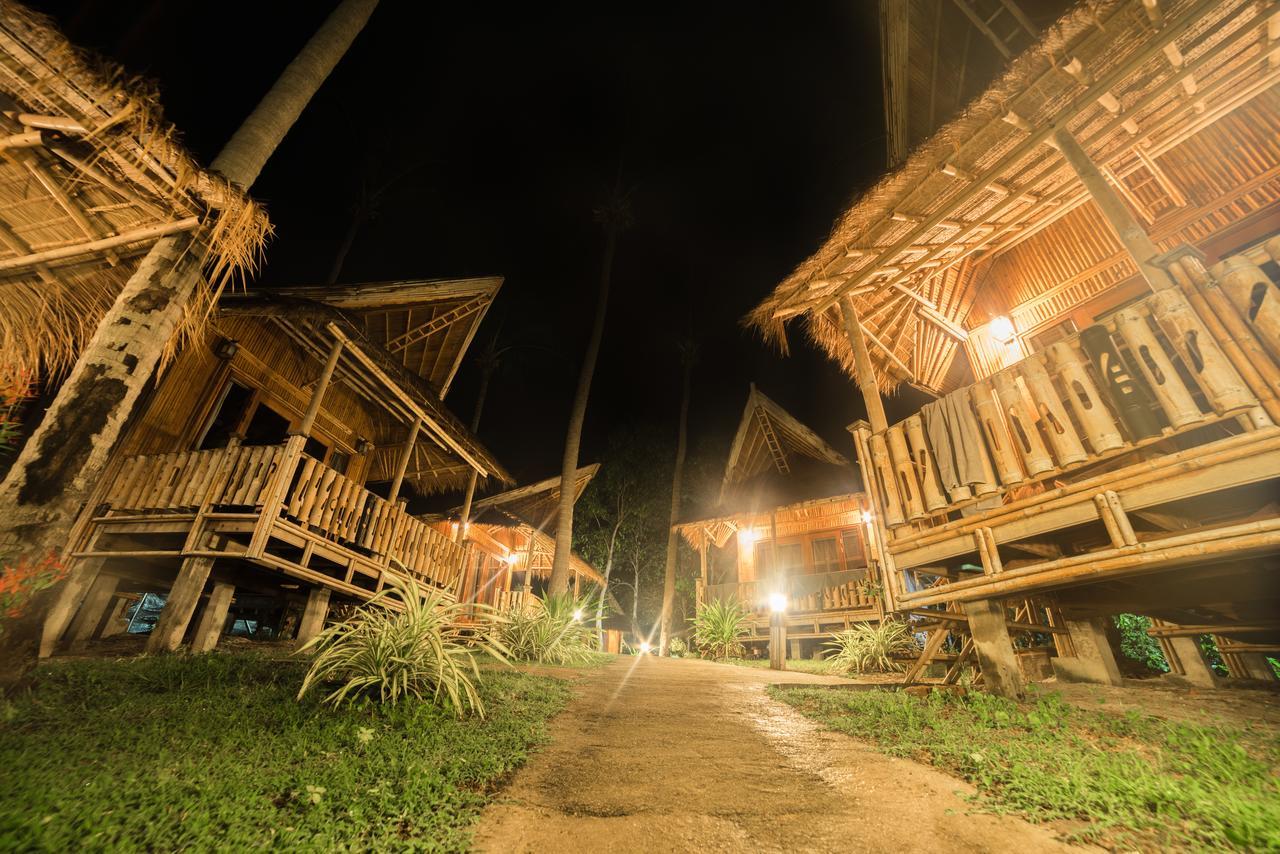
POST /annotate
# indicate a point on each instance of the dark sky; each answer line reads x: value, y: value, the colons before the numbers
x: 742, y: 129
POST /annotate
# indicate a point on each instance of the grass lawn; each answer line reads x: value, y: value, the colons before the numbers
x: 800, y: 665
x: 1125, y: 780
x: 214, y: 752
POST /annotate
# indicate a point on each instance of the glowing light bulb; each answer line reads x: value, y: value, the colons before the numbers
x: 645, y: 647
x: 866, y: 516
x: 577, y: 615
x: 1002, y: 329
x: 777, y: 602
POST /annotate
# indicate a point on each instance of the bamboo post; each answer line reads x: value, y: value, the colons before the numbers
x: 992, y: 421
x: 402, y: 465
x: 1132, y: 235
x: 926, y: 467
x: 1212, y: 369
x: 322, y: 385
x: 883, y: 468
x: 1175, y: 400
x: 1086, y: 402
x: 862, y: 368
x: 1254, y: 295
x: 905, y: 474
x: 1022, y: 423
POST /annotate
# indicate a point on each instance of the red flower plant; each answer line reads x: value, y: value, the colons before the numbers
x: 20, y: 583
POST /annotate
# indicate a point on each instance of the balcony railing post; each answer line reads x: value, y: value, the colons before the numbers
x: 273, y: 495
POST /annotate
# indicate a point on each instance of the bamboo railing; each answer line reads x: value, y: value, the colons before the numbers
x: 312, y: 496
x: 848, y: 595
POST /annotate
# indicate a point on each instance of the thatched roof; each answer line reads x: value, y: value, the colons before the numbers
x: 537, y: 504
x: 426, y: 324
x: 1128, y: 82
x: 91, y: 176
x: 446, y: 450
x: 768, y: 439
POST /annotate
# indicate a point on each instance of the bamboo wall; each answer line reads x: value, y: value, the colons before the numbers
x: 1209, y: 191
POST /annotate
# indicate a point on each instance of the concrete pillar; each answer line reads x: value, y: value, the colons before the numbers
x: 67, y: 602
x: 213, y: 618
x: 1187, y: 662
x: 1255, y: 666
x: 184, y: 595
x: 313, y: 615
x: 118, y: 620
x: 1094, y: 661
x: 991, y: 644
x: 89, y: 617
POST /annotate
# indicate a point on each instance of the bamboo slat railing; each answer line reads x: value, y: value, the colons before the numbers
x: 314, y: 497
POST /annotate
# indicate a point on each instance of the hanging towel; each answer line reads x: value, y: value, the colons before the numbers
x: 956, y: 441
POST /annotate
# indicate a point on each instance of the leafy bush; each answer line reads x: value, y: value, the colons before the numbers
x: 718, y: 629
x: 1137, y: 645
x: 20, y: 583
x: 15, y: 389
x: 676, y: 647
x: 551, y: 631
x: 871, y: 647
x: 421, y: 649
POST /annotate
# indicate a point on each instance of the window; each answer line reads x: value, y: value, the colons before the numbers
x: 826, y: 555
x: 226, y: 418
x: 853, y: 556
x: 790, y: 558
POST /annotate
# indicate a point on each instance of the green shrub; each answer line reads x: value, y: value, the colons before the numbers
x: 718, y: 629
x: 871, y: 647
x: 421, y: 649
x: 551, y: 631
x: 676, y: 647
x: 1137, y: 645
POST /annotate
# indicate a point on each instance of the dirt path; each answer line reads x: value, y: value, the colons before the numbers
x: 662, y: 755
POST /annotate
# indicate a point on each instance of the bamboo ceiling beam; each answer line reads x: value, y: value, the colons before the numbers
x: 425, y: 330
x: 929, y: 310
x: 1067, y: 197
x: 17, y: 244
x: 906, y: 372
x: 150, y: 232
x: 428, y: 419
x: 1037, y: 138
x: 984, y: 28
x: 90, y: 229
x: 862, y: 368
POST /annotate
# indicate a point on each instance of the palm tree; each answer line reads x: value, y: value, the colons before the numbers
x: 615, y: 216
x: 52, y: 476
x: 688, y: 355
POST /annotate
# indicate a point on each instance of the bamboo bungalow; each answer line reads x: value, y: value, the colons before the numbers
x: 274, y: 458
x: 1083, y: 267
x: 510, y: 551
x: 790, y: 521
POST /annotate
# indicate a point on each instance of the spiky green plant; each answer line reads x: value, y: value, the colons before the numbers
x: 676, y: 647
x: 419, y: 649
x: 871, y: 647
x: 551, y: 630
x: 718, y: 629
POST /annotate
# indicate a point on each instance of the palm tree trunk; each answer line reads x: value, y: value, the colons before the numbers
x: 677, y: 478
x: 635, y: 591
x: 608, y: 570
x: 560, y: 567
x: 485, y: 373
x: 50, y: 479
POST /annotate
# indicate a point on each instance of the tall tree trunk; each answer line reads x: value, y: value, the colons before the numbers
x: 677, y: 478
x: 560, y: 566
x: 485, y: 373
x: 50, y: 479
x: 635, y: 592
x: 608, y: 570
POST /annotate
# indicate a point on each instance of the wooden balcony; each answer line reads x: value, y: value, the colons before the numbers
x: 272, y: 506
x: 817, y: 604
x: 1074, y: 481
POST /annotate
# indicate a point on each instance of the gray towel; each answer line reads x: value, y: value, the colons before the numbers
x: 956, y: 440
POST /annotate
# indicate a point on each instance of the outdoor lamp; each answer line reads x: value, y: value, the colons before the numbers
x: 577, y: 615
x: 227, y: 349
x: 748, y: 536
x: 363, y: 446
x: 1002, y: 329
x: 645, y: 647
x: 777, y: 602
x: 511, y: 559
x: 866, y: 517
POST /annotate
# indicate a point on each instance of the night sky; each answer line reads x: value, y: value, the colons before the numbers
x: 740, y: 129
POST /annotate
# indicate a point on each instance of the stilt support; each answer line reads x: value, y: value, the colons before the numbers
x: 184, y: 596
x: 213, y: 618
x: 89, y: 617
x: 73, y: 591
x: 1000, y: 672
x: 1094, y: 661
x: 314, y: 614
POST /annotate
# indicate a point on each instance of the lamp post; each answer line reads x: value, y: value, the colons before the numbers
x: 777, y: 631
